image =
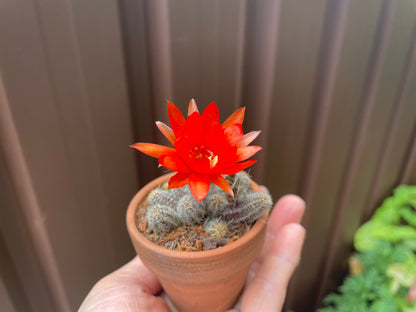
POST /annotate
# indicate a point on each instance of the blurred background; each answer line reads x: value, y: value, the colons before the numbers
x: 331, y: 84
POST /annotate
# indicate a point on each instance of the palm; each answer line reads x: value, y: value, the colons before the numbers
x: 134, y: 288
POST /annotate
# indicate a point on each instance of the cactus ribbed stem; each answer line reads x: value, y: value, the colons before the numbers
x: 170, y: 208
x: 216, y: 204
x: 190, y: 211
x: 162, y: 218
x: 159, y: 196
x: 249, y: 208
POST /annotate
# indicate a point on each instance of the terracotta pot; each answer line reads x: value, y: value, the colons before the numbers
x: 202, y: 280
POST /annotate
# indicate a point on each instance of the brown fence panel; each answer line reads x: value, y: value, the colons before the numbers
x: 331, y: 84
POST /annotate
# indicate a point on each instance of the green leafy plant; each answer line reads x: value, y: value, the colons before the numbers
x: 384, y: 269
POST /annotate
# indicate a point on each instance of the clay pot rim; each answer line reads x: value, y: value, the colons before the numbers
x: 176, y: 254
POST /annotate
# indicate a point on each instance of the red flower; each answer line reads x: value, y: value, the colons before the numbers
x: 204, y: 149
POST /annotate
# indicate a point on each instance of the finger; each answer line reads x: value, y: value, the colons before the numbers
x: 267, y: 290
x: 130, y: 288
x: 288, y: 209
x: 412, y: 293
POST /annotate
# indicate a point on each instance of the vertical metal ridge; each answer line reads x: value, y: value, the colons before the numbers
x: 10, y: 277
x: 127, y: 55
x: 410, y: 163
x: 159, y: 54
x: 156, y: 14
x: 384, y: 28
x: 85, y: 96
x: 260, y: 61
x: 393, y: 122
x: 329, y: 57
x: 240, y: 53
x: 19, y: 173
x: 215, y: 28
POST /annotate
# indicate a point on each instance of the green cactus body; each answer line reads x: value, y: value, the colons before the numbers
x: 162, y: 218
x: 170, y: 208
x: 189, y: 211
x: 180, y: 192
x: 216, y: 204
x: 216, y: 228
x: 240, y: 183
x: 159, y: 196
x: 249, y: 208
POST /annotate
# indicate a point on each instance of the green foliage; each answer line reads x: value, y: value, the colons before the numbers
x: 386, y: 224
x: 386, y: 246
x: 170, y: 208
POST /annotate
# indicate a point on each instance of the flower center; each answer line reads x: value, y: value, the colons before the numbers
x: 202, y: 152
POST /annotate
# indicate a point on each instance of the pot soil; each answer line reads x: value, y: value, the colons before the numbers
x: 208, y: 280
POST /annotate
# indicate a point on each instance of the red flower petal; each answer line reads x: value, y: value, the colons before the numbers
x: 246, y: 152
x: 238, y: 167
x: 248, y: 138
x: 166, y: 131
x: 222, y: 183
x: 176, y: 118
x: 205, y: 149
x: 211, y: 115
x: 199, y: 185
x: 236, y: 117
x: 174, y: 163
x: 192, y: 108
x: 234, y: 134
x: 178, y: 180
x: 154, y: 150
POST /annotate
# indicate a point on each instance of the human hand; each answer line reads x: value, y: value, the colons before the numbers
x: 134, y: 288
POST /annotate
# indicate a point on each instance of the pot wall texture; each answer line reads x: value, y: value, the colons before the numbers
x: 331, y: 84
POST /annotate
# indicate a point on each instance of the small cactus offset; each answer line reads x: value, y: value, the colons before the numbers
x: 189, y: 211
x: 216, y: 203
x: 162, y: 218
x: 249, y: 208
x: 216, y: 227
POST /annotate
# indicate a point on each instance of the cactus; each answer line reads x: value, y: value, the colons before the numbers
x: 181, y: 191
x: 189, y: 211
x: 170, y: 208
x: 216, y: 227
x: 162, y: 218
x: 249, y: 208
x: 216, y: 203
x: 159, y: 196
x: 240, y: 183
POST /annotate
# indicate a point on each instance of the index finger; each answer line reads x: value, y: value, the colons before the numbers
x: 288, y: 209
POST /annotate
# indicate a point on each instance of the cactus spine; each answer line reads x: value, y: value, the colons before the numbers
x: 216, y: 227
x: 216, y: 204
x: 159, y: 196
x: 162, y: 218
x: 249, y: 208
x: 189, y: 211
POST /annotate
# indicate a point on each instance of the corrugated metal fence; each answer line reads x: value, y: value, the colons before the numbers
x: 331, y: 84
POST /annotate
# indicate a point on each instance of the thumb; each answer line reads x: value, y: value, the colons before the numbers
x: 267, y: 291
